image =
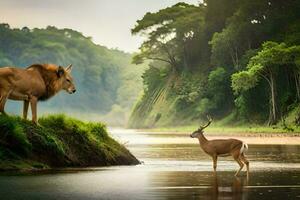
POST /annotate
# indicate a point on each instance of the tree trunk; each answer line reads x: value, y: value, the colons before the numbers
x: 185, y: 57
x: 234, y: 57
x: 297, y: 83
x: 273, y: 110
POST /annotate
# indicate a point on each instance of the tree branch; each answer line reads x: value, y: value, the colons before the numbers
x: 266, y: 78
x: 160, y: 59
x: 171, y: 57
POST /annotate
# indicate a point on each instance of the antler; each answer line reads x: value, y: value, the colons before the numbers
x: 208, y: 123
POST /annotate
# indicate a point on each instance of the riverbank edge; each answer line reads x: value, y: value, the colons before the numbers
x: 226, y: 131
x: 58, y: 142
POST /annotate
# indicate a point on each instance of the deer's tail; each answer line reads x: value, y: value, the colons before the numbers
x: 244, y: 148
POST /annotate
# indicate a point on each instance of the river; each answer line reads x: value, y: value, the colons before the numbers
x: 174, y: 167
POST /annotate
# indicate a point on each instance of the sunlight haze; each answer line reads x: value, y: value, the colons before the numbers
x: 107, y: 22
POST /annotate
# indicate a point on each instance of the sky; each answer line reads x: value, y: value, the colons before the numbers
x: 108, y: 22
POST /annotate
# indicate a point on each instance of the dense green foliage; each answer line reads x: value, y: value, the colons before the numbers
x: 59, y: 141
x: 273, y: 59
x: 232, y: 59
x: 100, y: 73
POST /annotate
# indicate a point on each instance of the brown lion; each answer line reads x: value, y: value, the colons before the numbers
x: 37, y: 82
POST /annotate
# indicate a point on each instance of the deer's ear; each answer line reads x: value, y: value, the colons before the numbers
x: 60, y: 71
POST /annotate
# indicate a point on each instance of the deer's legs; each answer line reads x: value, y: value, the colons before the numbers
x: 241, y: 164
x: 246, y: 162
x: 215, y: 159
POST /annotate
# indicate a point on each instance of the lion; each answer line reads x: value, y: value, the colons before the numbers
x: 38, y: 82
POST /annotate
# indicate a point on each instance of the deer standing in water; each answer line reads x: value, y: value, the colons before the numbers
x: 222, y: 147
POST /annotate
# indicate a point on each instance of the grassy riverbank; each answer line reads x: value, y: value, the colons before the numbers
x: 230, y: 126
x: 58, y: 141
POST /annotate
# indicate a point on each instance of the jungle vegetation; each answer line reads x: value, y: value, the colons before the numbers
x: 236, y: 60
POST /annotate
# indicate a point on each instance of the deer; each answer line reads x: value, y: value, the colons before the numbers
x: 222, y: 147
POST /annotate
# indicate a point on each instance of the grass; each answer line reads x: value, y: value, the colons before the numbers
x: 12, y: 134
x: 58, y: 141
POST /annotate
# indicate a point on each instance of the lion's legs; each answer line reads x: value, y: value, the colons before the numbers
x: 21, y: 97
x: 25, y: 109
x: 2, y: 104
x: 3, y: 99
x: 33, y: 104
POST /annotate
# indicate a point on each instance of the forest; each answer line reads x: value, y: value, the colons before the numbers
x: 106, y: 81
x: 238, y: 63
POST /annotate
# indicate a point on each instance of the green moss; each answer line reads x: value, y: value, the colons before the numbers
x: 58, y: 141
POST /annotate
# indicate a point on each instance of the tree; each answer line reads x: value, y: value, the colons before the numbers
x: 170, y: 34
x: 266, y: 65
x: 216, y: 22
x: 252, y: 23
x: 218, y: 88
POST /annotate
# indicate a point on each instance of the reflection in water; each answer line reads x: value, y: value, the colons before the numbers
x: 235, y: 191
x: 172, y: 169
x: 199, y: 185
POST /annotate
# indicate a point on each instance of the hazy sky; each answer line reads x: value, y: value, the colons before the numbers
x: 108, y: 22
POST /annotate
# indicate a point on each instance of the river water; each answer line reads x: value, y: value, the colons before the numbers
x: 174, y: 167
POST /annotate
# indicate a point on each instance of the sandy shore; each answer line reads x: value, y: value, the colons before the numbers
x: 250, y: 138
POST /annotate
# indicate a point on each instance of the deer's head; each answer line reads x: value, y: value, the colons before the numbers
x: 200, y: 130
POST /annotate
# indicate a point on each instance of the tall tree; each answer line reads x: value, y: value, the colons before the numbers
x: 266, y: 65
x: 170, y: 35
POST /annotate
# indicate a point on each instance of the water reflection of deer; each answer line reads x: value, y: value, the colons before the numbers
x: 235, y: 190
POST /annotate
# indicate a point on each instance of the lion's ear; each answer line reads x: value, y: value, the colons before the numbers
x: 60, y: 71
x: 69, y: 68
